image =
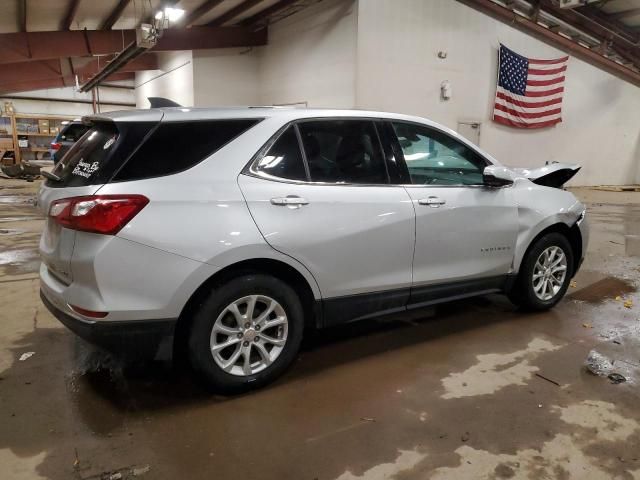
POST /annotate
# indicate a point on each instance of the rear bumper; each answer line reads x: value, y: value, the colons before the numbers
x: 139, y: 338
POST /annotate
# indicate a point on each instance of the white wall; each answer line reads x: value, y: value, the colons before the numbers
x: 225, y: 77
x: 173, y: 80
x: 46, y: 104
x: 311, y: 57
x: 398, y: 70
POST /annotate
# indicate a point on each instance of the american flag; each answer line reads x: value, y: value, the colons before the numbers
x: 529, y: 91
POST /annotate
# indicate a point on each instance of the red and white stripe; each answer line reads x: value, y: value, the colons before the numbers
x: 541, y: 105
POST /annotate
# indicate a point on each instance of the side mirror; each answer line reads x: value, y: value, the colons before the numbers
x: 497, y: 176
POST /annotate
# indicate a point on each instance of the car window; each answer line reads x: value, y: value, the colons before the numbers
x: 343, y: 151
x: 177, y: 146
x: 73, y: 132
x: 88, y: 162
x: 434, y: 158
x: 284, y: 158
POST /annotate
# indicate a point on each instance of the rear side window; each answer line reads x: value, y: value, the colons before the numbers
x: 97, y: 155
x: 73, y: 132
x: 343, y: 151
x: 284, y: 158
x: 177, y: 146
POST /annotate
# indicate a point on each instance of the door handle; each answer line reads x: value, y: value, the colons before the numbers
x: 289, y: 201
x: 432, y: 201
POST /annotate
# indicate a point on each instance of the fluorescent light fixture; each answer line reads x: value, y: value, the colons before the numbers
x: 170, y: 13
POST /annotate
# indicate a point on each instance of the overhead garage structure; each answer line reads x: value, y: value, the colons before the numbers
x: 47, y: 44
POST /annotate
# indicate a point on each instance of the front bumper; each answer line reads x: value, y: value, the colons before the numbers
x: 137, y: 338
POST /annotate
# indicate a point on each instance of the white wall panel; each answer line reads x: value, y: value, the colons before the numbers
x: 398, y: 70
x: 225, y: 77
x: 311, y: 57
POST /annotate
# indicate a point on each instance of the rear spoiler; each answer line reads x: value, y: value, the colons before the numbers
x: 554, y: 174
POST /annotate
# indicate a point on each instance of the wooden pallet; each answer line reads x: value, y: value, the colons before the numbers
x: 618, y: 188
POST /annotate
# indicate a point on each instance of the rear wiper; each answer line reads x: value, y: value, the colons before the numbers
x: 50, y: 176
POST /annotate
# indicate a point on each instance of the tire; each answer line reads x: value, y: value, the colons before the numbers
x: 527, y: 292
x: 207, y: 352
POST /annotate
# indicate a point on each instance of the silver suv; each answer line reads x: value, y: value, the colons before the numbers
x: 232, y: 231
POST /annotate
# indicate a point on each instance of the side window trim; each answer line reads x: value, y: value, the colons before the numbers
x: 302, y: 151
x: 393, y: 154
x: 400, y: 153
x: 382, y: 151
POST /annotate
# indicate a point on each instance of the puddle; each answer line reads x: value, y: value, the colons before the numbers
x: 16, y: 262
x: 10, y: 231
x: 609, y: 287
x: 495, y: 371
x: 24, y: 199
x: 18, y: 219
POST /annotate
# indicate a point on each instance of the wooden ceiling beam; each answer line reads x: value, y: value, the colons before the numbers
x: 233, y: 13
x: 115, y: 15
x: 29, y: 46
x: 263, y: 15
x: 203, y: 9
x: 72, y: 9
x: 22, y: 15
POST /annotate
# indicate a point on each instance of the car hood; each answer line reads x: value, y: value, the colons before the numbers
x: 551, y: 175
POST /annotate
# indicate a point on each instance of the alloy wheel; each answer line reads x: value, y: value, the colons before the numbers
x: 249, y: 335
x: 549, y: 273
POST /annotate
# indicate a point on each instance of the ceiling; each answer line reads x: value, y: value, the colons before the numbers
x: 48, y: 43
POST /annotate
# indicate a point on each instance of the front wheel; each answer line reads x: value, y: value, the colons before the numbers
x: 545, y: 273
x: 246, y: 333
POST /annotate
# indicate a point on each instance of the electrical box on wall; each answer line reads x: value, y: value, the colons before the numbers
x: 445, y: 90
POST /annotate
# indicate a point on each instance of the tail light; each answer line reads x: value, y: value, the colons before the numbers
x: 55, y: 146
x: 105, y: 214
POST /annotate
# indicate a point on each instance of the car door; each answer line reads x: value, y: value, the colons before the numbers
x: 320, y: 193
x: 465, y: 231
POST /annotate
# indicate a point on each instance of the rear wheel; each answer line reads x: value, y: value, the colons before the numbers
x: 246, y: 333
x: 545, y: 273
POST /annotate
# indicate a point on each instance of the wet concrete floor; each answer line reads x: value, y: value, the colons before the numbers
x: 469, y: 390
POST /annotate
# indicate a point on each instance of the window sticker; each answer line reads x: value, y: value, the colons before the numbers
x: 85, y: 169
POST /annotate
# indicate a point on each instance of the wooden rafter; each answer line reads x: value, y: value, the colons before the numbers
x: 72, y: 9
x: 263, y: 15
x: 233, y: 13
x: 22, y: 15
x: 115, y: 15
x: 204, y: 7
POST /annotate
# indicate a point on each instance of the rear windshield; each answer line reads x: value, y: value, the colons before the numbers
x: 94, y: 159
x: 73, y: 132
x: 138, y: 150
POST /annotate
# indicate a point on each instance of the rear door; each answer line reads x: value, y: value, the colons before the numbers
x: 332, y: 208
x: 89, y: 164
x: 465, y: 232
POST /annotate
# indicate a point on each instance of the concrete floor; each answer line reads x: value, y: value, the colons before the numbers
x: 459, y: 392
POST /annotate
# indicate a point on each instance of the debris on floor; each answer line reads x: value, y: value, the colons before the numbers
x: 26, y: 356
x: 616, y: 378
x: 628, y: 303
x: 598, y: 364
x: 587, y: 325
x: 547, y: 379
x: 573, y: 284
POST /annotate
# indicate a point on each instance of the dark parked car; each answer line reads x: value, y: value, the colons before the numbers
x: 69, y: 135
